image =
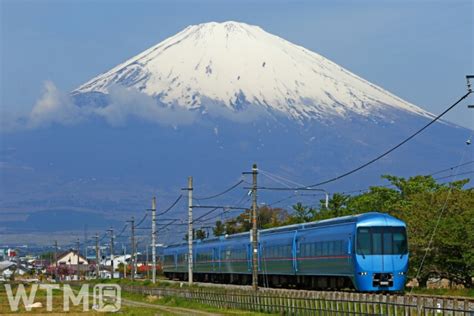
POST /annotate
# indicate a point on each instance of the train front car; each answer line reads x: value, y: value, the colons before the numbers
x: 381, y: 253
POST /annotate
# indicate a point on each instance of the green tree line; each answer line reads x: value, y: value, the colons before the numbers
x: 439, y: 218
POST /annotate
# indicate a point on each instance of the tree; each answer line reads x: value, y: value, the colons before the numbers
x: 301, y: 214
x: 219, y: 229
x: 200, y: 234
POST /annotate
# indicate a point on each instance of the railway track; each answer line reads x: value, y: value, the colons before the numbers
x: 263, y: 289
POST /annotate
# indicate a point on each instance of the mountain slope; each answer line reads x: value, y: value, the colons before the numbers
x: 238, y: 65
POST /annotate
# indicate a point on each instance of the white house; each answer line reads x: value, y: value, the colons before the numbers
x: 71, y: 258
x: 117, y: 260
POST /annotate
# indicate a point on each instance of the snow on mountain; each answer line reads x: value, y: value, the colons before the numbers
x: 237, y: 65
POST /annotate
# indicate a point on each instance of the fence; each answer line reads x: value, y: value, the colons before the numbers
x: 293, y: 302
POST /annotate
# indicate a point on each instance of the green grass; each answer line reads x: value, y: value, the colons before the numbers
x: 444, y: 292
x: 165, y: 283
x: 172, y: 301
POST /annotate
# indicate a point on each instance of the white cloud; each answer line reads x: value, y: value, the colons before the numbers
x: 54, y: 107
x: 128, y: 103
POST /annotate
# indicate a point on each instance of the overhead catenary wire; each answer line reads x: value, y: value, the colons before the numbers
x: 219, y: 194
x: 426, y: 175
x: 121, y: 232
x: 171, y: 206
x: 387, y: 152
x: 269, y: 174
x: 142, y: 220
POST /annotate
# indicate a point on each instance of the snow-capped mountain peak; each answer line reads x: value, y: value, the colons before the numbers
x: 236, y: 65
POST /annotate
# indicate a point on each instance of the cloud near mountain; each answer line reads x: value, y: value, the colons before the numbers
x: 57, y: 107
x: 124, y: 104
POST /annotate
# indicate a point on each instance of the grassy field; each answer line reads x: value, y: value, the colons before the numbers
x: 444, y: 292
x: 185, y: 304
x: 58, y: 305
x: 150, y: 305
x: 166, y: 283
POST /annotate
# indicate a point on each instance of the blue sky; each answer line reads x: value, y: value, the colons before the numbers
x: 419, y: 50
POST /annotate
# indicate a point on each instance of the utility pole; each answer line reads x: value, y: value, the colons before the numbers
x: 97, y: 256
x: 147, y: 267
x: 124, y: 251
x: 56, y: 260
x: 254, y: 233
x: 135, y: 266
x: 111, y: 230
x: 77, y: 265
x: 132, y: 237
x: 153, y: 240
x: 254, y: 229
x: 190, y: 230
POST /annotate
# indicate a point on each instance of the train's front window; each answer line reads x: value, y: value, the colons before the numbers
x: 381, y: 240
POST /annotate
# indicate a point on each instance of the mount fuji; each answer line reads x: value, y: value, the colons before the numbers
x: 208, y: 102
x: 238, y: 66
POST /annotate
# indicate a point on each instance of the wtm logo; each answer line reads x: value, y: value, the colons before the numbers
x: 106, y: 297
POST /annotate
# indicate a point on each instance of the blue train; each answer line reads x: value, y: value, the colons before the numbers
x: 367, y: 252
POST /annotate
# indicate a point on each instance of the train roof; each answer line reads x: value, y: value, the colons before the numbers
x: 365, y: 219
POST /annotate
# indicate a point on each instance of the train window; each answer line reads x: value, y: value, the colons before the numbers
x: 387, y: 243
x: 377, y: 243
x: 363, y: 241
x: 319, y: 250
x: 381, y: 240
x: 399, y: 241
x: 331, y: 247
x: 337, y: 248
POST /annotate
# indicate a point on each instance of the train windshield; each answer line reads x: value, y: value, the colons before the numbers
x: 381, y: 240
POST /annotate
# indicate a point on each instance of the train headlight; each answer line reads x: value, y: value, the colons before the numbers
x: 401, y: 273
x: 363, y: 273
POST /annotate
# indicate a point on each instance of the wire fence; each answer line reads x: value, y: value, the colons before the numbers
x: 292, y: 302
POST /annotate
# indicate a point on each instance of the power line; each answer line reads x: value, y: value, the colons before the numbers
x: 276, y: 176
x: 219, y: 194
x: 121, y: 232
x: 451, y: 168
x: 393, y: 148
x: 427, y: 175
x: 171, y: 207
x: 141, y: 221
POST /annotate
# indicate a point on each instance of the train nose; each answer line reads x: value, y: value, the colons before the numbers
x: 382, y: 279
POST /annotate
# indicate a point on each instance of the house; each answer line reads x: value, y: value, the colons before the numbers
x: 71, y: 257
x: 69, y: 264
x: 122, y: 259
x: 15, y: 270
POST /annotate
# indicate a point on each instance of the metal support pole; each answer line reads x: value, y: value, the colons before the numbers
x: 153, y: 240
x: 190, y: 230
x: 254, y: 229
x: 147, y: 266
x: 56, y: 260
x: 97, y: 257
x: 132, y: 258
x: 111, y: 253
x: 77, y: 262
x: 124, y: 251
